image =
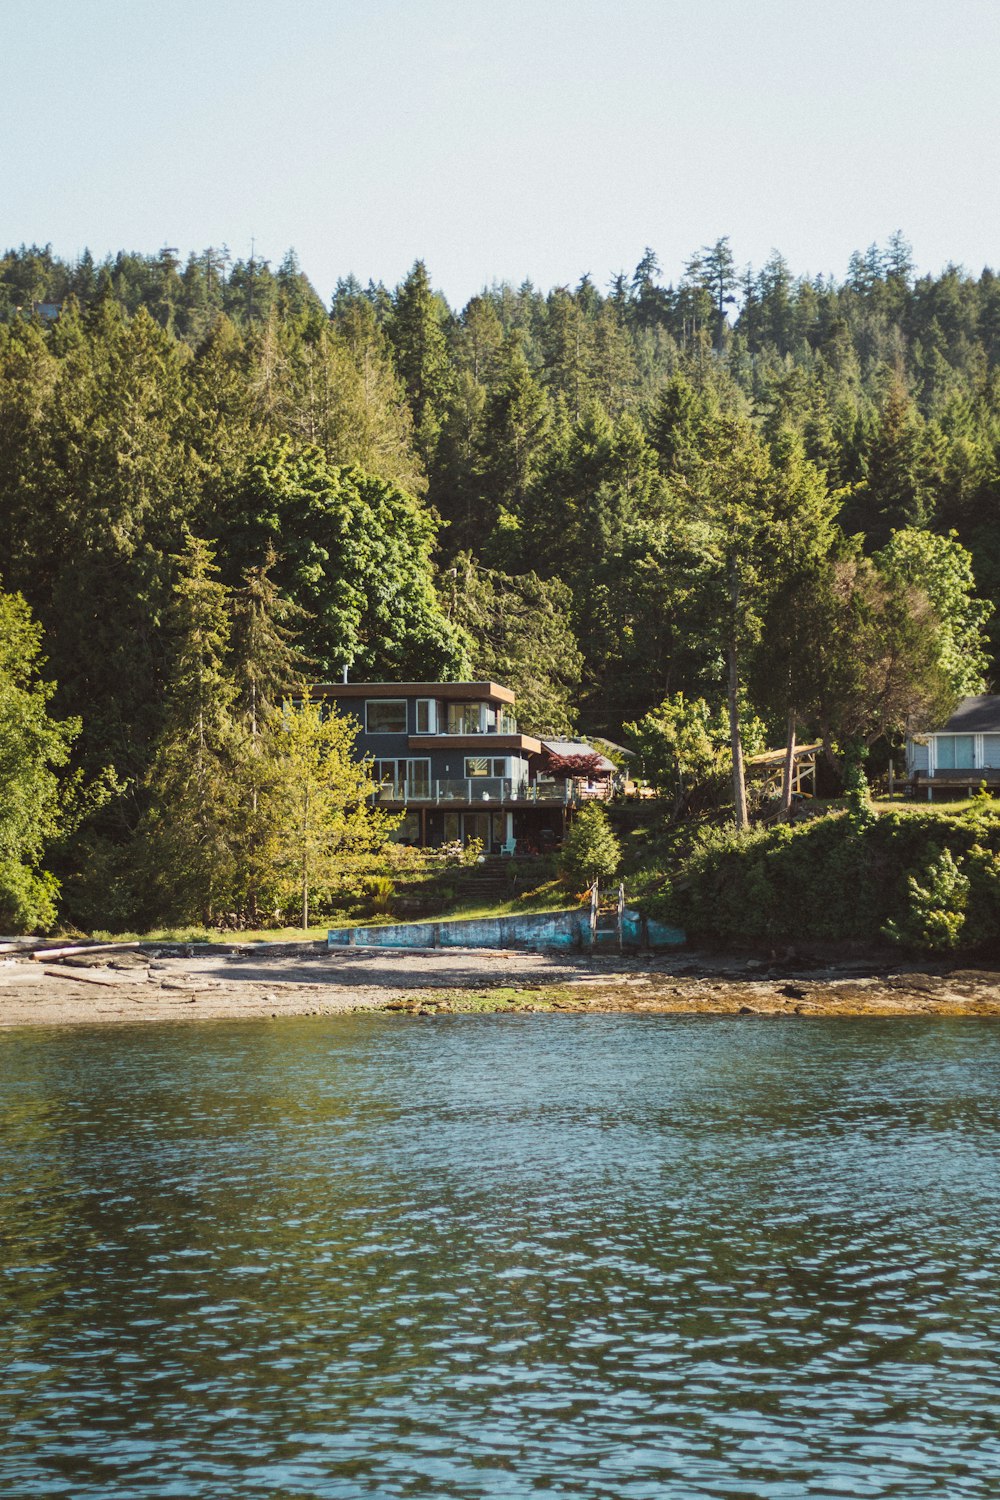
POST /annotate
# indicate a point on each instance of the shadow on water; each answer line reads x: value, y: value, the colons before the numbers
x: 609, y: 1257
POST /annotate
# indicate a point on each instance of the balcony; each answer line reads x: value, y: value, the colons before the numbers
x: 488, y: 790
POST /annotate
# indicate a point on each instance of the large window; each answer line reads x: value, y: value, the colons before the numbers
x: 991, y: 752
x: 426, y: 716
x: 485, y: 765
x: 408, y: 829
x: 410, y: 778
x: 464, y: 718
x: 385, y: 715
x: 954, y: 752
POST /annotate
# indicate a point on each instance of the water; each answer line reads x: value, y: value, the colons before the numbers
x: 593, y: 1257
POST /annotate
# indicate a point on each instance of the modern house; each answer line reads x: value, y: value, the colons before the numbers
x: 962, y: 753
x: 451, y: 757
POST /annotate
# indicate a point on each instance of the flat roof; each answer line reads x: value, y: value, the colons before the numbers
x: 479, y: 691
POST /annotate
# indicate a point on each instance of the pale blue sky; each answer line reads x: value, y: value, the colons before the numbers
x: 505, y: 139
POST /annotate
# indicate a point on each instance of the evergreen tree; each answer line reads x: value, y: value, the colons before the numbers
x: 185, y: 840
x: 590, y: 850
x: 521, y: 636
x: 515, y: 427
x: 416, y: 329
x: 34, y: 747
x: 266, y: 669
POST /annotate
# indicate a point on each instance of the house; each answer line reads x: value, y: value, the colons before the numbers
x: 593, y: 775
x: 450, y: 756
x: 962, y: 753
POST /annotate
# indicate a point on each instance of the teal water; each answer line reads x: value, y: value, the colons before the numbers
x: 593, y: 1257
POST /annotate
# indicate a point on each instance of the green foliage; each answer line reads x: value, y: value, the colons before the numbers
x: 33, y: 748
x: 872, y: 646
x: 859, y: 795
x: 353, y: 553
x: 662, y: 491
x: 942, y: 568
x: 842, y: 878
x: 315, y: 821
x: 935, y: 916
x: 185, y: 838
x: 590, y: 849
x: 521, y: 637
x: 683, y: 747
x: 379, y: 892
x: 471, y: 851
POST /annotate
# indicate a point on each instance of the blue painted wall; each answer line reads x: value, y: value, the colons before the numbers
x: 558, y: 929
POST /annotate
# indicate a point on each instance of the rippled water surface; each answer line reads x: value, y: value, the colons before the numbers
x: 476, y: 1256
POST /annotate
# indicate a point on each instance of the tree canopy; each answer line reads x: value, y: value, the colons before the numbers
x: 760, y: 491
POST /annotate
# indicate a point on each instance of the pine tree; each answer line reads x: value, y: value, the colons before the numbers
x: 266, y: 668
x: 185, y: 841
x: 34, y: 747
x: 416, y: 329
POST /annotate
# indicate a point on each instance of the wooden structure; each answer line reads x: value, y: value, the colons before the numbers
x: 771, y: 767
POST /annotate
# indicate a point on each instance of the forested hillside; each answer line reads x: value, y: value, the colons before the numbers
x: 607, y: 496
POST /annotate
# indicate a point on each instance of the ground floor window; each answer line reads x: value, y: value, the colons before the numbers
x: 462, y: 827
x: 408, y: 830
x: 954, y: 752
x: 991, y: 752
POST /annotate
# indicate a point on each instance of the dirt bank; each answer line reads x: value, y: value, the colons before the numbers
x: 285, y: 980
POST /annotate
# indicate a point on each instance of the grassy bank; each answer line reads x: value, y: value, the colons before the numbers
x: 551, y: 896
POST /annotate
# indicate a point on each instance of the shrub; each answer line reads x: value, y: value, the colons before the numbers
x: 379, y: 891
x: 935, y: 917
x: 590, y: 850
x: 841, y: 877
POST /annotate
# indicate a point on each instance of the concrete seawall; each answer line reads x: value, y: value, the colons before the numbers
x: 557, y: 929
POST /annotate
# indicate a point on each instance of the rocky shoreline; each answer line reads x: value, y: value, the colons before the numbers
x: 232, y: 982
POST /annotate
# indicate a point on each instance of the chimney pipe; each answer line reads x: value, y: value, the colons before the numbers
x: 345, y: 672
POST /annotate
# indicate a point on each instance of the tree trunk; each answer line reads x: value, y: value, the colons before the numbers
x: 786, y: 776
x: 735, y: 739
x: 305, y: 862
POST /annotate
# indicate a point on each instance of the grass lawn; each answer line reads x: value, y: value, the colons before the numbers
x: 551, y: 897
x: 820, y: 806
x: 198, y: 934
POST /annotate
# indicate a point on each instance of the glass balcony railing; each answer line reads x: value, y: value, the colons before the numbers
x: 471, y: 789
x: 471, y: 723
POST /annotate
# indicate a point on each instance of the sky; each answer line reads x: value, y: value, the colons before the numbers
x: 502, y: 139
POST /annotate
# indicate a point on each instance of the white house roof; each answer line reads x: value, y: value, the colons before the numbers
x: 578, y: 747
x: 979, y: 715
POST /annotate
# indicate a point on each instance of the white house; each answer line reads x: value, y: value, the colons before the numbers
x: 963, y: 752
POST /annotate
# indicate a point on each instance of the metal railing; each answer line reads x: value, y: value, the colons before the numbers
x: 504, y: 724
x: 485, y: 789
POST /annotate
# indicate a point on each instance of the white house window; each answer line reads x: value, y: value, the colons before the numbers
x: 485, y: 765
x: 385, y: 715
x: 954, y: 752
x: 426, y: 716
x: 991, y: 752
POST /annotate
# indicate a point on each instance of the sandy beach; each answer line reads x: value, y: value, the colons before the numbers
x: 272, y: 981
